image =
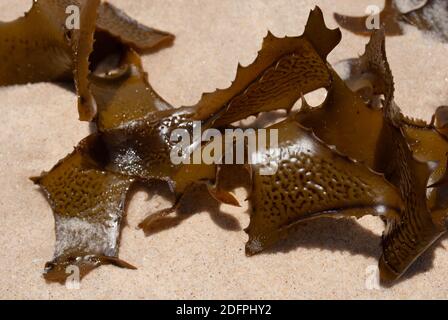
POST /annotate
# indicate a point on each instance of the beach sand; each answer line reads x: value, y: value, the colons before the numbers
x: 203, y: 257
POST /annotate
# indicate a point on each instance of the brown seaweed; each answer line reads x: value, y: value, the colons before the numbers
x: 410, y: 153
x: 284, y: 70
x: 88, y: 206
x: 312, y: 181
x: 427, y: 15
x: 124, y: 94
x: 54, y: 51
x: 354, y: 155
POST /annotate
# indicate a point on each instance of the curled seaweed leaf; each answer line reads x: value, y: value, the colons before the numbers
x: 118, y: 24
x: 124, y: 94
x: 82, y: 46
x: 312, y: 181
x: 405, y: 151
x: 426, y: 15
x: 57, y: 52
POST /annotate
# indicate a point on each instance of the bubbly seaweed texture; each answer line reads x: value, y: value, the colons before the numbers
x: 427, y: 15
x: 312, y: 181
x: 411, y: 154
x: 354, y: 155
x: 55, y: 52
x: 88, y: 204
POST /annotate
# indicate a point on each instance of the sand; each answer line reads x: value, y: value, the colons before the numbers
x: 203, y: 258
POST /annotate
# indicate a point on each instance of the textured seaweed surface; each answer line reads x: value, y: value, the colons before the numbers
x: 354, y: 155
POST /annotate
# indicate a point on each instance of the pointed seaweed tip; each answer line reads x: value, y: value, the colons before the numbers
x: 323, y: 39
x: 36, y: 180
